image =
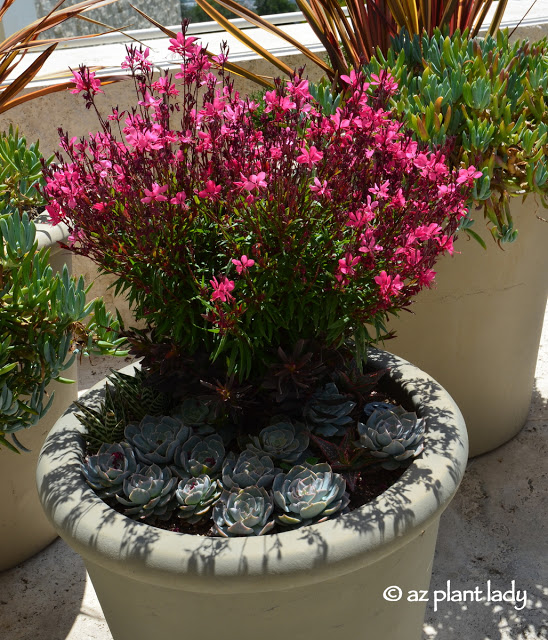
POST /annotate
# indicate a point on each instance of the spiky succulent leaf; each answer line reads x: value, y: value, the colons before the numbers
x: 394, y: 435
x: 157, y: 438
x: 282, y: 440
x: 106, y: 423
x: 245, y: 512
x: 106, y: 471
x: 327, y: 411
x: 149, y: 493
x: 247, y: 470
x: 308, y: 494
x: 196, y: 497
x: 139, y: 399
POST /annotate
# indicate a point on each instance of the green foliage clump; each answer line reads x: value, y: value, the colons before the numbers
x: 487, y: 97
x: 40, y: 313
x: 20, y: 174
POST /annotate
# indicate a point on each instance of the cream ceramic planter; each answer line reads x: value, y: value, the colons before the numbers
x: 478, y: 331
x: 24, y: 529
x: 322, y: 582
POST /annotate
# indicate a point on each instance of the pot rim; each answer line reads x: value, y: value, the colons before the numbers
x: 246, y: 564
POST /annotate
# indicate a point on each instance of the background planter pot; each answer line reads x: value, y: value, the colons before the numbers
x: 24, y: 529
x: 324, y: 581
x: 478, y: 331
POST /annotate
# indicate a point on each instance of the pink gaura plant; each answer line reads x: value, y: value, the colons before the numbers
x: 235, y: 228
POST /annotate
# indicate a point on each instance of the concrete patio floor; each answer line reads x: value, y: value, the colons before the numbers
x: 494, y: 530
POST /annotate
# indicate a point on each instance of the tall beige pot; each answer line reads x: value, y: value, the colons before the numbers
x: 478, y: 331
x: 24, y: 529
x: 324, y: 581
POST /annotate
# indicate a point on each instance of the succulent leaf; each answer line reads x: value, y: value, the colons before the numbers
x: 149, y: 493
x: 196, y: 497
x: 247, y: 470
x: 308, y: 494
x: 157, y: 438
x: 394, y: 435
x: 282, y: 440
x: 244, y: 512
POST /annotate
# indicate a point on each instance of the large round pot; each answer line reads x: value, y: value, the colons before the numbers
x: 324, y: 581
x: 478, y: 331
x: 24, y: 529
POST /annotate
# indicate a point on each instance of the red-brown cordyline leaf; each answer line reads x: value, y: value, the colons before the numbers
x: 258, y: 21
x: 15, y: 46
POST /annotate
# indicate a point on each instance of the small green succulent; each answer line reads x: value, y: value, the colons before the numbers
x: 309, y: 494
x: 109, y: 467
x: 20, y: 174
x: 282, y: 440
x: 157, y: 438
x: 327, y: 412
x: 199, y: 456
x: 196, y: 497
x: 247, y: 470
x: 395, y: 435
x: 245, y: 512
x: 149, y: 493
x: 488, y: 96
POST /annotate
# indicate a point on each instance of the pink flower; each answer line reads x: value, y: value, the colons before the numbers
x: 180, y: 199
x: 211, y: 191
x: 54, y: 211
x: 243, y: 263
x: 85, y: 80
x: 310, y: 157
x: 368, y: 242
x: 221, y: 290
x: 347, y: 264
x: 253, y: 182
x: 425, y: 232
x: 143, y: 140
x: 446, y: 243
x: 389, y: 286
x: 382, y: 191
x: 320, y: 188
x: 162, y: 85
x: 426, y: 278
x: 184, y: 45
x: 469, y: 174
x: 385, y: 80
x: 155, y: 193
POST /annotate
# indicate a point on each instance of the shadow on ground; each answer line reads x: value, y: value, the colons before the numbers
x: 493, y: 531
x: 41, y: 598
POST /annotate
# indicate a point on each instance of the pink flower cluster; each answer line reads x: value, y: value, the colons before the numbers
x: 256, y: 226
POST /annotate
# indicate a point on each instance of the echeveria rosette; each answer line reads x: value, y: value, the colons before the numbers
x: 149, y: 493
x: 109, y: 467
x: 308, y: 494
x: 244, y: 512
x: 157, y: 438
x: 200, y: 456
x: 327, y: 412
x: 196, y: 497
x: 247, y: 470
x: 395, y: 435
x: 196, y: 413
x: 282, y: 440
